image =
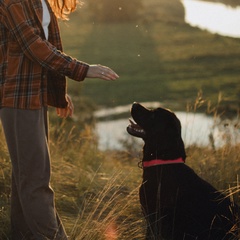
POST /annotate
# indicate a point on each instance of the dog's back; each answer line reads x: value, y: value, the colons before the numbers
x: 177, y: 204
x: 180, y: 205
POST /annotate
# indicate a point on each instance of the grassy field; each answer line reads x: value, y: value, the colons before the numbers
x: 158, y: 58
x: 97, y: 192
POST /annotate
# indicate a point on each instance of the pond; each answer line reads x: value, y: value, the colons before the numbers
x: 197, y: 129
x: 214, y: 17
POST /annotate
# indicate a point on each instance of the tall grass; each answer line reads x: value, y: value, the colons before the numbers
x: 5, y: 176
x: 97, y: 192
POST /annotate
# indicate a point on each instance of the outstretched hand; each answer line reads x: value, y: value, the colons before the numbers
x: 102, y: 72
x: 94, y: 71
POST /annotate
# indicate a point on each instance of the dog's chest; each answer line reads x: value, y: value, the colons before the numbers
x: 162, y: 184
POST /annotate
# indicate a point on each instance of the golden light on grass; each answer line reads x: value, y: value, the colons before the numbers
x: 111, y: 232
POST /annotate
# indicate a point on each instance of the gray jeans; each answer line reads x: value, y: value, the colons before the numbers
x: 33, y: 214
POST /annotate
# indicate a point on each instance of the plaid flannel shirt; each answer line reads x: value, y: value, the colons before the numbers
x: 32, y: 69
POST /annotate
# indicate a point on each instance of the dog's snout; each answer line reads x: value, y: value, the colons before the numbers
x: 135, y: 104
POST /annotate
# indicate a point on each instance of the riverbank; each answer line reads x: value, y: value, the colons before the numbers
x: 198, y: 129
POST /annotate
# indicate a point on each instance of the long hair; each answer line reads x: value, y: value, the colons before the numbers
x: 62, y: 8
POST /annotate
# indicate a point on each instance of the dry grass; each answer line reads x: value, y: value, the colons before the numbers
x: 97, y: 192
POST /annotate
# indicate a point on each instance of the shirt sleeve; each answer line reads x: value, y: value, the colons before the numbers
x: 22, y: 24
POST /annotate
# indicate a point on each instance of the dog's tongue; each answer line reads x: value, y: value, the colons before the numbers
x: 134, y: 125
x: 131, y: 121
x: 135, y: 128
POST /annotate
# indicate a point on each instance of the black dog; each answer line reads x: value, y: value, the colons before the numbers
x: 177, y: 204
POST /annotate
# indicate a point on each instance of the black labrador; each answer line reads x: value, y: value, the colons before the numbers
x: 176, y: 202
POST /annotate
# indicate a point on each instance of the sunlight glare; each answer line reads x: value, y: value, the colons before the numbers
x: 111, y: 232
x: 214, y: 17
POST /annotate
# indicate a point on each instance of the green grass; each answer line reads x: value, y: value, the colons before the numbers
x: 158, y: 58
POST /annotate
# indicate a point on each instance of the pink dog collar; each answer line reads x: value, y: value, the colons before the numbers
x: 161, y: 162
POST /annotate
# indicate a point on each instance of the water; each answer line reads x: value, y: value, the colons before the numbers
x: 196, y: 129
x: 214, y: 17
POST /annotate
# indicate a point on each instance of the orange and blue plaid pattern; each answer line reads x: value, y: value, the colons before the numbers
x: 33, y: 69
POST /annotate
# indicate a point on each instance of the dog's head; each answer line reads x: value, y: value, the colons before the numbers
x: 160, y: 129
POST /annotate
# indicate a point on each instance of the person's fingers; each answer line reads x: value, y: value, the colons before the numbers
x: 62, y: 112
x: 108, y: 74
x: 102, y: 72
x: 67, y: 111
x: 70, y: 110
x: 70, y: 106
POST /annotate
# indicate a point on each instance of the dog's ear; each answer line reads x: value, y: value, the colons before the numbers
x: 177, y: 124
x: 180, y: 148
x: 168, y: 133
x: 166, y: 120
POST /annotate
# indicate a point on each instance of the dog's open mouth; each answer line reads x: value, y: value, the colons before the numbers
x: 135, y: 130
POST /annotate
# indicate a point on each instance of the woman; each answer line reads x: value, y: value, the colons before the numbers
x: 32, y: 76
